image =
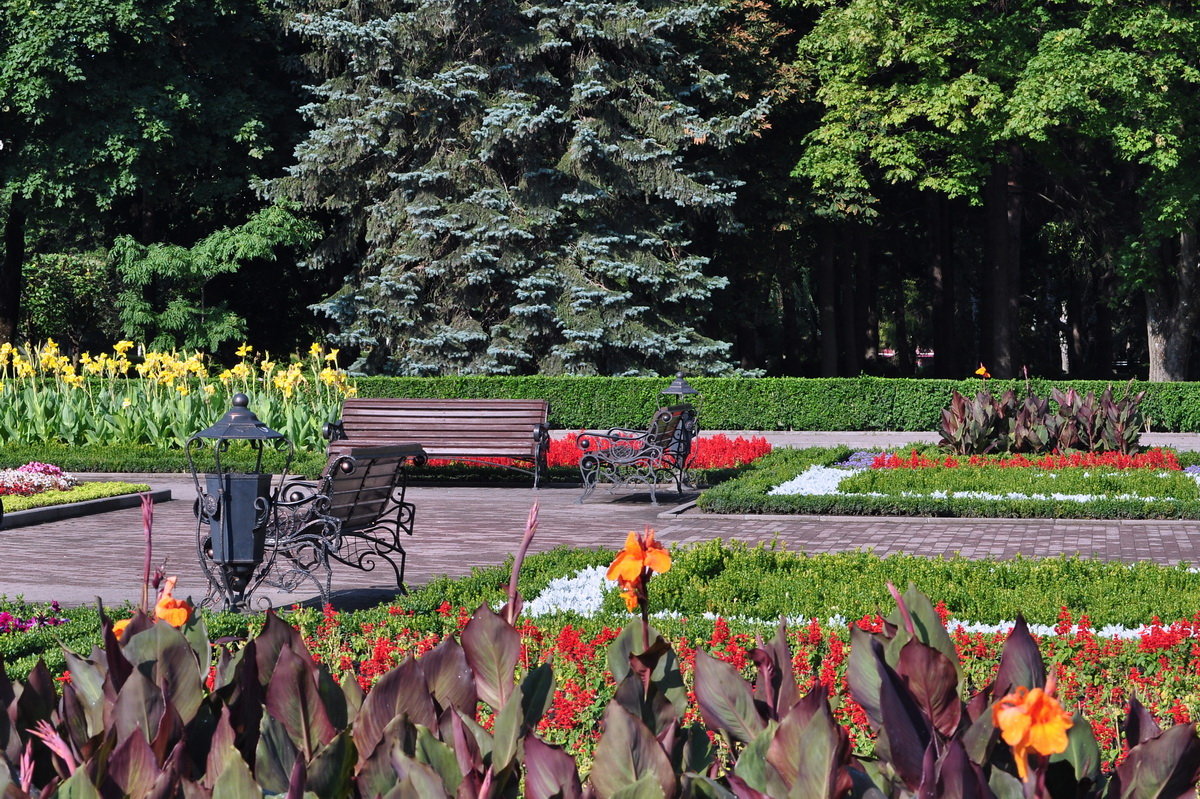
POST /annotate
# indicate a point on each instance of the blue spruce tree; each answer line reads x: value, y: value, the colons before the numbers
x: 514, y: 186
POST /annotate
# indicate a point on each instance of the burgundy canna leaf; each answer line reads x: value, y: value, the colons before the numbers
x: 133, y: 766
x: 276, y: 635
x: 1165, y: 767
x: 221, y: 749
x: 400, y: 692
x: 862, y: 674
x: 810, y: 750
x: 328, y: 773
x: 958, y: 777
x: 1139, y: 725
x: 492, y: 647
x: 726, y: 702
x: 743, y: 791
x: 1020, y: 662
x: 908, y: 732
x: 550, y: 773
x: 449, y: 676
x: 628, y: 753
x: 275, y: 757
x: 293, y: 699
x: 933, y: 681
x: 139, y: 707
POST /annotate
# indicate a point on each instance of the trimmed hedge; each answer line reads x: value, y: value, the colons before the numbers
x: 772, y: 403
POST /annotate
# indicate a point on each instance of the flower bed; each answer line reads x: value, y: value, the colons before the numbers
x: 708, y: 452
x: 577, y: 664
x: 1149, y: 485
x: 37, y: 484
x: 1097, y: 674
x: 34, y: 478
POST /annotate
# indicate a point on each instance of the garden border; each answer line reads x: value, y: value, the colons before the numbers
x: 71, y: 510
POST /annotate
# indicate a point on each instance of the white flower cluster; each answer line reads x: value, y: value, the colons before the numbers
x: 823, y: 480
x: 15, y: 481
x: 814, y: 481
x: 584, y: 591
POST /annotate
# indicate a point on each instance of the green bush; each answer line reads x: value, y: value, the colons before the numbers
x: 772, y: 403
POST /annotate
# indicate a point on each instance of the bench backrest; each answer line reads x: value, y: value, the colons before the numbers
x: 360, y: 487
x: 444, y: 427
x: 672, y: 429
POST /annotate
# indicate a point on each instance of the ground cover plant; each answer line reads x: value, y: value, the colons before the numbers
x: 922, y: 481
x: 622, y: 712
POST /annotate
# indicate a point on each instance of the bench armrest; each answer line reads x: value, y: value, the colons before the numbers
x: 615, y: 435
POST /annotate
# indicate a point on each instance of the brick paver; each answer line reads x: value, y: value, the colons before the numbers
x: 459, y: 528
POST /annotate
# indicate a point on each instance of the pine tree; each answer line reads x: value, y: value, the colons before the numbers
x: 516, y: 184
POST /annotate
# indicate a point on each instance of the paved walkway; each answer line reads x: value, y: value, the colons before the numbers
x: 459, y: 528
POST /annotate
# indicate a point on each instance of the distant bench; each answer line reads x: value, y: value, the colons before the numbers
x: 451, y: 429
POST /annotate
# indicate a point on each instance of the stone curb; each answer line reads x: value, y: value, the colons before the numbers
x: 54, y: 513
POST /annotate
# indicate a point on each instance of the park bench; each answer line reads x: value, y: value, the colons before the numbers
x: 353, y: 514
x: 472, y: 430
x: 624, y: 456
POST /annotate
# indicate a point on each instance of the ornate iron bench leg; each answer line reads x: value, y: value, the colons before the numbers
x: 589, y: 470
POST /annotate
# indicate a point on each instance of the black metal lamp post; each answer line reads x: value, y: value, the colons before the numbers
x: 235, y: 506
x: 680, y: 389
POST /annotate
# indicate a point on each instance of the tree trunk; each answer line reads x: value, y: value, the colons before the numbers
x: 1003, y: 208
x: 866, y: 310
x: 1171, y: 314
x: 10, y: 271
x: 946, y: 333
x: 847, y: 309
x: 826, y: 290
x: 790, y: 298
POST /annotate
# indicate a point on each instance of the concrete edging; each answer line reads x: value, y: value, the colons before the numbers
x: 71, y: 510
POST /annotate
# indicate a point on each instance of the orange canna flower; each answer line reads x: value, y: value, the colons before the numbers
x: 983, y: 372
x: 629, y: 594
x: 1031, y: 720
x: 173, y: 611
x: 119, y: 627
x: 641, y: 552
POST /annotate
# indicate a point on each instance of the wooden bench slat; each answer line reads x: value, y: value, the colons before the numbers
x: 449, y: 429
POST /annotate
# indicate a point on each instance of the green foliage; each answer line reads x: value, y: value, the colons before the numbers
x: 165, y: 300
x: 767, y: 581
x: 118, y: 458
x: 70, y: 297
x: 77, y: 494
x: 518, y: 185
